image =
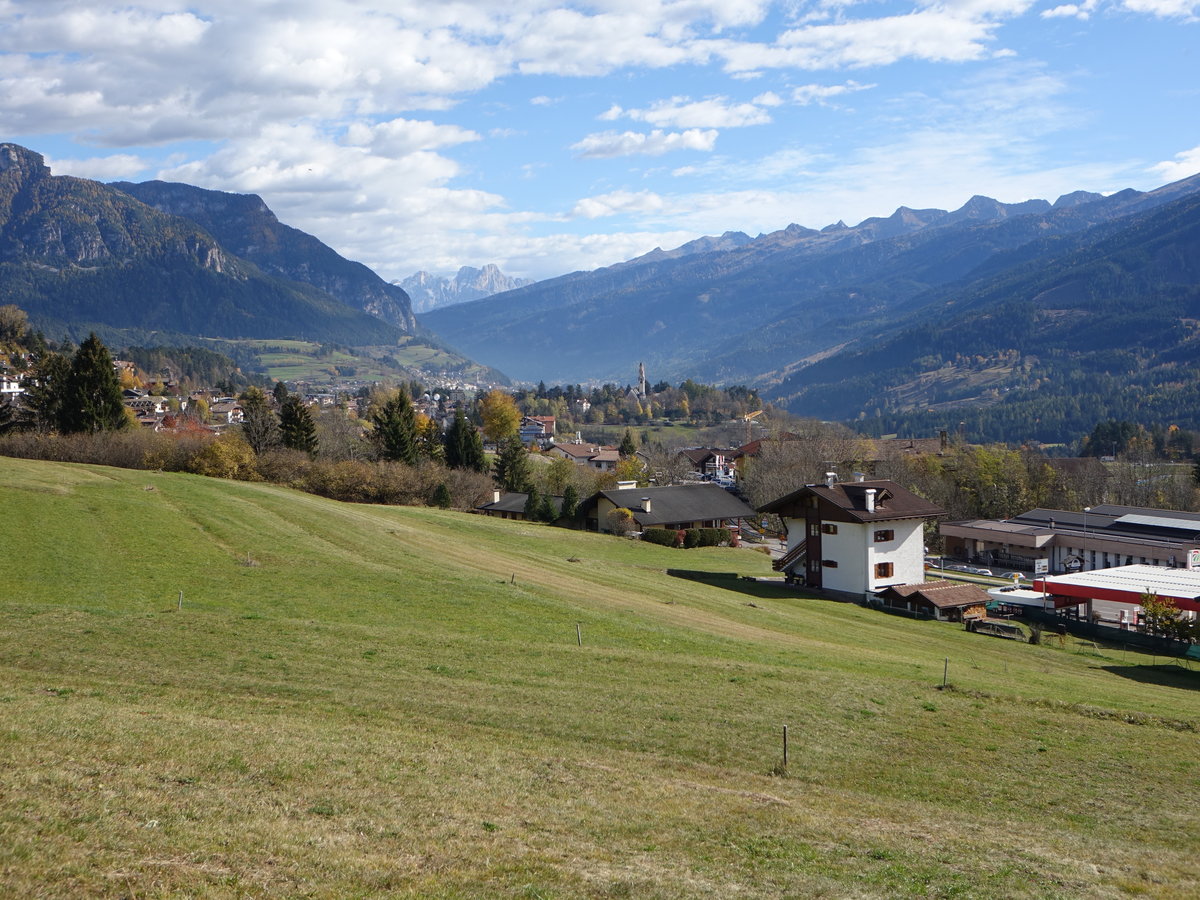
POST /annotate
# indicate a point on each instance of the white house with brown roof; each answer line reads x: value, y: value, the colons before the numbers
x: 854, y: 538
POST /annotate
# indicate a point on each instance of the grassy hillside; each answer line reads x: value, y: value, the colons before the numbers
x: 358, y: 700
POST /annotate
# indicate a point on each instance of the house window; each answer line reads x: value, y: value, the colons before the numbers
x: 829, y: 563
x: 884, y: 570
x: 886, y: 534
x: 827, y: 528
x: 814, y: 529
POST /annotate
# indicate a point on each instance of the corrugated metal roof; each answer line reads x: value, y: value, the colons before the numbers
x: 1173, y: 522
x: 1134, y: 579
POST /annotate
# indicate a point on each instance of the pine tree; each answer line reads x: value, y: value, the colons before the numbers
x: 91, y: 399
x: 570, y: 504
x: 628, y: 446
x: 533, y: 504
x: 297, y: 430
x: 455, y: 441
x: 395, y: 434
x: 441, y: 496
x: 45, y: 387
x: 512, y: 465
x: 280, y: 393
x: 546, y: 511
x: 260, y: 426
x: 473, y: 455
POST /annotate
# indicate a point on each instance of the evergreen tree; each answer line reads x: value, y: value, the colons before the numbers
x: 473, y: 455
x: 91, y: 399
x: 44, y: 387
x: 260, y: 426
x: 441, y: 496
x: 628, y: 446
x: 570, y: 503
x: 455, y: 443
x: 546, y: 510
x: 297, y: 430
x: 395, y: 434
x: 533, y: 504
x: 512, y: 465
x: 281, y: 393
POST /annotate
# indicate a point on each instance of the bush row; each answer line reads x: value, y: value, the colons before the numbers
x: 688, y: 538
x: 229, y: 456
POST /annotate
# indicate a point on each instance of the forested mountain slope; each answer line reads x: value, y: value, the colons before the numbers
x: 75, y: 252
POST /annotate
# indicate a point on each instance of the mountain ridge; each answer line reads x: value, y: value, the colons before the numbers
x: 76, y: 252
x: 711, y: 315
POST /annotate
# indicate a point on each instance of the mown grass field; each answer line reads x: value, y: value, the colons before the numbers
x: 361, y: 701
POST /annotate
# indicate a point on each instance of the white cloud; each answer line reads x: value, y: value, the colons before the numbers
x: 399, y: 137
x: 118, y: 167
x: 616, y: 203
x: 683, y: 112
x: 1165, y: 9
x: 1081, y: 11
x: 936, y: 34
x: 608, y: 144
x: 1183, y: 165
x: 819, y: 93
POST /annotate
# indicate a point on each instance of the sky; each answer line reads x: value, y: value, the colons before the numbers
x: 550, y: 137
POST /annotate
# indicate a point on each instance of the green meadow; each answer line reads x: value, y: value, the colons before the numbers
x: 360, y: 701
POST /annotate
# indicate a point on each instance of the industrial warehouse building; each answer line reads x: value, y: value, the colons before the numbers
x: 1101, y: 537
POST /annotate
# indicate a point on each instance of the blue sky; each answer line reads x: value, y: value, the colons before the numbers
x: 548, y: 137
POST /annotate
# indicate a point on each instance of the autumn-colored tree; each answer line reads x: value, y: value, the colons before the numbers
x: 500, y: 415
x: 429, y: 439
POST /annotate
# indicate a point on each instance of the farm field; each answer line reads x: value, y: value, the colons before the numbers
x: 358, y: 701
x: 294, y: 360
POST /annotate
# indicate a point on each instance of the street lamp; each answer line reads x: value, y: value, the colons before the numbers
x: 1082, y: 550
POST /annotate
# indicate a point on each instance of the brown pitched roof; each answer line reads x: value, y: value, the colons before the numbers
x: 942, y: 594
x: 891, y: 501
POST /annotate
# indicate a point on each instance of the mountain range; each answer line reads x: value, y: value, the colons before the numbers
x: 77, y: 254
x: 784, y: 310
x: 1024, y: 320
x: 429, y: 292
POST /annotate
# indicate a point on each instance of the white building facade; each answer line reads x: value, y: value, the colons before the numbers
x: 853, y: 538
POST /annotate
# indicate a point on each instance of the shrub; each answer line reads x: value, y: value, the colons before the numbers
x: 662, y: 536
x: 282, y: 466
x: 229, y: 456
x: 691, y: 538
x: 713, y: 537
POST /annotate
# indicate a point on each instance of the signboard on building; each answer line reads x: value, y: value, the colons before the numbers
x: 1041, y: 567
x: 1193, y: 559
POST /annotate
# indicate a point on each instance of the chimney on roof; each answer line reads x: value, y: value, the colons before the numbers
x: 830, y: 479
x: 870, y: 494
x: 495, y: 496
x: 645, y: 504
x: 860, y: 477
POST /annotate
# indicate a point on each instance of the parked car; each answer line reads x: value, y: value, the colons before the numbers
x: 987, y: 572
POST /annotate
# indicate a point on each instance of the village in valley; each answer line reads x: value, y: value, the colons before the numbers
x: 1111, y: 570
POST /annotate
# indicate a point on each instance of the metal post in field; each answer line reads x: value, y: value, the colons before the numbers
x: 180, y: 600
x: 945, y: 670
x: 578, y: 635
x: 785, y: 747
